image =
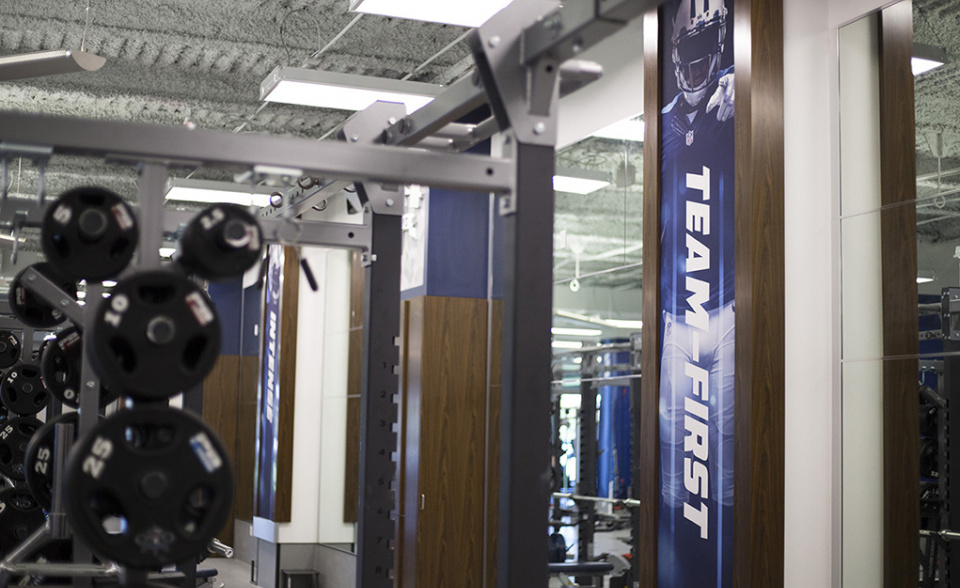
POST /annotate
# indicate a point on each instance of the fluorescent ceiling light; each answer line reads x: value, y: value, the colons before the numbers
x: 167, y: 252
x: 615, y: 323
x: 580, y: 181
x: 568, y: 332
x: 464, y: 13
x: 567, y: 344
x: 926, y: 58
x: 624, y: 324
x: 920, y: 65
x: 214, y: 192
x: 47, y: 63
x: 630, y: 129
x: 324, y: 89
x: 925, y: 276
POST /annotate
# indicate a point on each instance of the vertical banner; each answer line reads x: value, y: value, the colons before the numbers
x: 269, y: 401
x: 695, y: 527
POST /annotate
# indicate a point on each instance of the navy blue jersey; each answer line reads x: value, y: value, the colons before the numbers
x: 691, y: 137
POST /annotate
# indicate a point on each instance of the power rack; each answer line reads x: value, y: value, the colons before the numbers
x: 523, y: 58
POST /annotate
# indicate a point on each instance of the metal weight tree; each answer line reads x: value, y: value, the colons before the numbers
x: 520, y: 55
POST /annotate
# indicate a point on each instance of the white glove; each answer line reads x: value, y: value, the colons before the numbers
x: 723, y: 98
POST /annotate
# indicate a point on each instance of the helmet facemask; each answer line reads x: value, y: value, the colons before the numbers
x: 696, y: 55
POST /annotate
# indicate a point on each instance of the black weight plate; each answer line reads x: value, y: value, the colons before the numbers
x: 22, y: 391
x: 89, y: 233
x: 9, y: 349
x: 30, y: 308
x: 20, y: 515
x: 148, y: 487
x: 221, y: 243
x: 158, y: 334
x: 60, y: 368
x: 38, y: 460
x: 15, y: 434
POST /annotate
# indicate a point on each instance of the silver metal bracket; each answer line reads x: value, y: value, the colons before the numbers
x: 522, y: 96
x: 367, y: 127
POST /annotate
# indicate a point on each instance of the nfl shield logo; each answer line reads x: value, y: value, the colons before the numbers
x: 689, y: 138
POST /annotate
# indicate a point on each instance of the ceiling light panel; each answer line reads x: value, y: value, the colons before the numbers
x: 630, y: 129
x: 217, y: 192
x: 48, y: 63
x: 469, y: 13
x: 322, y: 89
x: 580, y: 181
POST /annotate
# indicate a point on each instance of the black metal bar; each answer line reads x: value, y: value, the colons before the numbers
x: 588, y: 466
x: 635, y: 472
x: 525, y: 404
x: 153, y: 181
x: 378, y: 405
x: 949, y: 571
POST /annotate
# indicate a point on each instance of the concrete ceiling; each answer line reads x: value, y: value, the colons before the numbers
x: 173, y: 60
x: 937, y: 23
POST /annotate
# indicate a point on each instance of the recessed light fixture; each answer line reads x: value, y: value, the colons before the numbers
x: 472, y: 13
x: 580, y: 181
x: 567, y: 344
x: 47, y: 63
x: 215, y: 192
x: 926, y: 58
x: 570, y: 332
x: 629, y: 129
x: 323, y: 89
x: 167, y: 252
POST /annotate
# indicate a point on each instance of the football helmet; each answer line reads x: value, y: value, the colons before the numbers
x: 699, y: 33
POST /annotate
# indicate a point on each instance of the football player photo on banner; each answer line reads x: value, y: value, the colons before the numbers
x: 695, y: 526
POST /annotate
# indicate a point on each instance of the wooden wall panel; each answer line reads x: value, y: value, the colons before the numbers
x: 648, y: 483
x: 221, y: 402
x: 495, y: 338
x: 452, y: 441
x: 901, y: 511
x: 245, y: 464
x: 288, y: 383
x: 411, y: 350
x: 354, y: 374
x: 759, y: 380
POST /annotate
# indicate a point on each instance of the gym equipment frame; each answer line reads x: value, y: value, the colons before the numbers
x: 520, y: 55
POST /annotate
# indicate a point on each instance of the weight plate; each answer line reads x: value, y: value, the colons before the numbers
x: 158, y: 334
x: 30, y: 308
x: 20, y: 515
x: 38, y: 460
x: 60, y: 368
x: 9, y: 349
x: 148, y: 487
x: 89, y: 233
x: 14, y: 437
x: 221, y: 243
x: 22, y: 390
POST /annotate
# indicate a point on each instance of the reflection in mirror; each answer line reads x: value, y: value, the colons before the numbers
x: 597, y: 319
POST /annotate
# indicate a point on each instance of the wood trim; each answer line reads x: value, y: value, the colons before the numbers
x: 247, y: 441
x: 221, y: 402
x: 759, y: 381
x: 649, y: 481
x: 492, y: 497
x: 412, y: 333
x: 898, y: 250
x: 290, y: 298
